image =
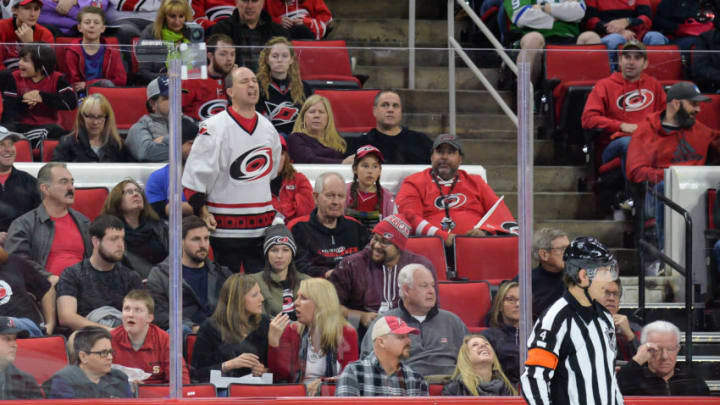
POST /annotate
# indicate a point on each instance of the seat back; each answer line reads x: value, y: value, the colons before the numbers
x: 66, y: 119
x: 433, y: 248
x: 89, y: 201
x: 47, y: 148
x: 190, y: 347
x: 61, y: 45
x: 274, y: 390
x: 23, y: 151
x: 352, y: 109
x: 189, y: 391
x: 325, y: 61
x: 710, y: 200
x: 470, y: 301
x: 41, y: 357
x: 128, y: 103
x: 562, y: 61
x: 664, y: 62
x: 710, y: 112
x: 435, y: 390
x: 327, y: 389
x: 490, y: 258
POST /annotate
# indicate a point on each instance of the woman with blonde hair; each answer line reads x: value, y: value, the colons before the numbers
x: 319, y: 345
x: 478, y: 371
x: 503, y: 331
x: 315, y: 138
x: 169, y: 26
x: 95, y: 137
x: 146, y: 236
x: 282, y: 92
x: 235, y: 338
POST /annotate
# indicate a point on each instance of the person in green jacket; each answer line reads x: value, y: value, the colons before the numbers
x: 279, y: 281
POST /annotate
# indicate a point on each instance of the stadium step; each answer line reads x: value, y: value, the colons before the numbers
x: 503, y: 152
x: 556, y: 205
x: 466, y: 102
x: 392, y: 31
x: 377, y: 54
x: 383, y: 77
x: 427, y: 9
x: 437, y: 123
x: 608, y: 231
x: 546, y: 178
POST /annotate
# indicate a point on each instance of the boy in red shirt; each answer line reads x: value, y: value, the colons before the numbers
x: 140, y: 344
x: 21, y: 29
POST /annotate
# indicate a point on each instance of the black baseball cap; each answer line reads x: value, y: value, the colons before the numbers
x: 685, y: 91
x: 450, y: 139
x: 7, y: 327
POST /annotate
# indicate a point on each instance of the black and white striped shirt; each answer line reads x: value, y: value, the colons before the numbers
x: 571, y: 353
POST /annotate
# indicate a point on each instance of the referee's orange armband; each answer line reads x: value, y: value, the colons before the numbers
x: 541, y: 357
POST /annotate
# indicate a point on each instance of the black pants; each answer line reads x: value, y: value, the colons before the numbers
x: 37, y: 133
x: 237, y: 253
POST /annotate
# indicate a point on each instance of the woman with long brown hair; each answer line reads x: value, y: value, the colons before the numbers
x: 503, y: 331
x: 478, y: 371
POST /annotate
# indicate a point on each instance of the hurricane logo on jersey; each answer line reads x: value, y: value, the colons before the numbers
x: 510, y: 227
x: 211, y: 108
x: 283, y: 113
x: 635, y: 100
x: 252, y: 165
x: 452, y: 201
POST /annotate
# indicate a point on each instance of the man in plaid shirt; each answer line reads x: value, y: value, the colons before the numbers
x: 382, y: 373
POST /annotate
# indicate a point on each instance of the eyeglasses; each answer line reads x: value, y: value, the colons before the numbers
x: 103, y: 353
x: 612, y: 294
x: 95, y: 117
x: 560, y: 249
x: 511, y: 300
x: 668, y: 350
x: 132, y: 191
x: 377, y: 239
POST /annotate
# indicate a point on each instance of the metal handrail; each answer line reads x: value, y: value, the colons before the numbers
x: 686, y: 270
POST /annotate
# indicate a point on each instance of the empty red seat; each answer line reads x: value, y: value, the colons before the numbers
x: 435, y: 390
x: 325, y: 64
x: 127, y: 103
x: 47, y: 148
x: 23, y: 152
x: 89, y: 201
x: 41, y: 357
x: 710, y: 112
x: 274, y: 390
x: 433, y: 248
x: 190, y: 347
x: 490, y: 258
x: 470, y: 301
x: 352, y: 109
x: 66, y: 119
x: 665, y: 64
x: 189, y: 391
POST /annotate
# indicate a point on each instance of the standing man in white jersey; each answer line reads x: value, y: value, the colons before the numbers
x: 227, y: 175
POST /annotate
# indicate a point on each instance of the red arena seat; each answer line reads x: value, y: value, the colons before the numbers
x: 274, y: 390
x: 66, y: 119
x: 41, y: 357
x: 189, y: 391
x: 23, y: 152
x: 665, y: 64
x: 127, y: 103
x: 325, y: 64
x: 352, y: 109
x: 456, y: 296
x: 490, y: 258
x: 435, y: 389
x: 89, y: 201
x: 433, y: 248
x: 190, y: 347
x: 327, y: 389
x: 47, y: 148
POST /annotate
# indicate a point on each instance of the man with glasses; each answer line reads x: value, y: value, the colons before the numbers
x: 627, y: 331
x: 547, y: 278
x: 652, y: 371
x: 367, y: 282
x: 571, y: 350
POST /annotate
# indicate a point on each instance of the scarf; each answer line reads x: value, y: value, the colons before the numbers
x: 330, y: 358
x: 172, y: 36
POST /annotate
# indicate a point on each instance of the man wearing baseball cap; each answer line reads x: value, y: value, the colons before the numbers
x: 446, y: 201
x: 383, y: 373
x: 366, y: 282
x: 16, y: 384
x: 21, y: 29
x: 19, y: 192
x: 670, y: 137
x: 147, y: 140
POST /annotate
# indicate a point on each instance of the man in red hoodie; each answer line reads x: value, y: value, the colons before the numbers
x: 619, y: 102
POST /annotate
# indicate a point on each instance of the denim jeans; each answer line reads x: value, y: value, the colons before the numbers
x: 613, y: 41
x: 655, y: 208
x: 617, y: 148
x: 28, y: 325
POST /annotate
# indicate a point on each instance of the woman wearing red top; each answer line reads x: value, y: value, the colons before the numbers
x: 291, y: 191
x: 319, y: 345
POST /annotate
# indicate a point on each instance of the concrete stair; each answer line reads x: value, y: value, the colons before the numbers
x: 433, y: 77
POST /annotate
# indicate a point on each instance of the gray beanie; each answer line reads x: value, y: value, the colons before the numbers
x: 278, y: 234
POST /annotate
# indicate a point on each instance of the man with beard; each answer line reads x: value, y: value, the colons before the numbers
x: 91, y: 292
x: 326, y: 236
x: 33, y: 235
x: 202, y: 279
x: 446, y: 201
x: 669, y: 137
x: 203, y: 98
x: 367, y: 281
x: 382, y: 373
x: 227, y: 175
x: 435, y: 350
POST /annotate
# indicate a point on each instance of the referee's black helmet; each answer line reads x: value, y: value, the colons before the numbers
x: 588, y: 253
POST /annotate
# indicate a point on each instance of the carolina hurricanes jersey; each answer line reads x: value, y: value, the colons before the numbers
x: 233, y: 166
x: 208, y: 12
x: 142, y: 9
x: 203, y: 98
x: 421, y: 202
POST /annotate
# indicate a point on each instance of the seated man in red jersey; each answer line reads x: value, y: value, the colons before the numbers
x: 21, y: 29
x: 140, y: 344
x: 447, y: 201
x: 203, y: 98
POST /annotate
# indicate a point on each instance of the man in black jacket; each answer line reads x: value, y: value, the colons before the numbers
x: 250, y: 27
x: 326, y: 235
x: 19, y: 192
x: 16, y: 384
x: 706, y: 65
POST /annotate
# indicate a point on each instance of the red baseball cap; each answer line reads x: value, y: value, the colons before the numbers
x: 392, y: 324
x: 25, y: 2
x: 365, y: 150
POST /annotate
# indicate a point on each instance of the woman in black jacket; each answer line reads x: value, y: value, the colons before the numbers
x: 478, y: 371
x: 95, y: 137
x: 503, y: 331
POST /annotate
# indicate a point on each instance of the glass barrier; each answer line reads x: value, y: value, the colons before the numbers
x: 176, y: 195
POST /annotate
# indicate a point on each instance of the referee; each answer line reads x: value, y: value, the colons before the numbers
x: 571, y: 349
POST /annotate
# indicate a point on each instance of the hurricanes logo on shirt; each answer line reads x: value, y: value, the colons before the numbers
x: 452, y: 201
x: 6, y: 292
x: 282, y: 113
x: 635, y: 100
x: 510, y: 227
x: 211, y: 108
x: 252, y: 165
